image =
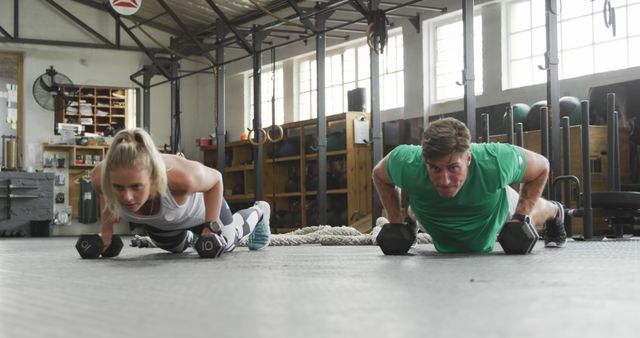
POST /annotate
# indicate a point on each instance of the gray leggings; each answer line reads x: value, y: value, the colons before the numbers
x: 234, y: 228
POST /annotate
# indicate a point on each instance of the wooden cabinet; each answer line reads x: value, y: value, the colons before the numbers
x: 70, y: 163
x: 291, y: 173
x: 96, y: 108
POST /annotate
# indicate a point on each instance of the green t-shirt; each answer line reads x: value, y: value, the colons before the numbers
x: 468, y: 222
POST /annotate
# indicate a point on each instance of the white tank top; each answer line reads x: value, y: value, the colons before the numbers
x: 172, y: 216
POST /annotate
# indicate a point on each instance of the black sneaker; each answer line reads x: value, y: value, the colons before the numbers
x: 555, y: 236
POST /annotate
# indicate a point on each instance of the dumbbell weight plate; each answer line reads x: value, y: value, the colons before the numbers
x: 114, y: 248
x: 395, y: 238
x: 89, y: 246
x: 517, y: 238
x: 209, y: 246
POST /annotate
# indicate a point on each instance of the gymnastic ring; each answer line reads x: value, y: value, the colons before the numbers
x: 277, y: 139
x: 254, y: 142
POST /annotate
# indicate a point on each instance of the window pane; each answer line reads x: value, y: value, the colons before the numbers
x: 538, y: 13
x: 400, y: 91
x: 349, y: 58
x: 363, y: 62
x: 634, y: 52
x: 538, y: 41
x: 449, y: 58
x: 305, y: 106
x: 336, y: 70
x: 521, y: 73
x: 519, y: 16
x: 333, y: 100
x: 576, y: 32
x: 634, y: 24
x: 314, y: 105
x: 615, y: 54
x: 520, y: 45
x: 574, y: 9
x: 577, y: 62
x: 314, y: 75
x: 539, y: 76
x: 388, y: 91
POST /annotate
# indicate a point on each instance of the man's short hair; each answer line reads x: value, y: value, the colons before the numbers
x: 445, y: 137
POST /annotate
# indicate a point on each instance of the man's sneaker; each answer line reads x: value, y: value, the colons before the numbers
x: 259, y: 238
x: 555, y: 236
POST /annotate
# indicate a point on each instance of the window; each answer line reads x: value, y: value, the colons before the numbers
x: 266, y: 95
x: 349, y: 69
x: 584, y: 42
x: 449, y: 58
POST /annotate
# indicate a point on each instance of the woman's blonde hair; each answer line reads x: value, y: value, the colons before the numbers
x: 132, y: 147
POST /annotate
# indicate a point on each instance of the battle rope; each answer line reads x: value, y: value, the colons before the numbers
x: 328, y: 235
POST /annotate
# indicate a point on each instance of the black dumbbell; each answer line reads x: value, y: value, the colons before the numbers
x: 210, y: 246
x: 518, y: 237
x: 90, y: 246
x: 396, y: 238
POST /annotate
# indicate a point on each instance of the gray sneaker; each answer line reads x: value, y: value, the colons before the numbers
x: 259, y: 238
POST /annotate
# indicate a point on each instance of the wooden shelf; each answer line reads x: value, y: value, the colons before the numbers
x: 96, y: 108
x: 285, y: 177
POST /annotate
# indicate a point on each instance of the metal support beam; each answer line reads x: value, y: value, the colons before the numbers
x: 321, y: 127
x: 325, y: 7
x: 423, y: 8
x: 5, y: 33
x: 300, y: 12
x: 553, y: 89
x: 148, y: 73
x: 116, y: 17
x: 139, y: 120
x: 16, y: 19
x: 220, y: 103
x: 184, y: 29
x: 80, y: 22
x: 243, y: 42
x: 468, y: 75
x: 175, y: 107
x: 359, y: 6
x: 258, y: 38
x: 376, y: 122
x: 59, y: 43
x: 100, y: 5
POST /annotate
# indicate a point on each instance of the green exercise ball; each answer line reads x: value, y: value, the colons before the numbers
x: 533, y: 118
x: 520, y: 112
x: 570, y: 106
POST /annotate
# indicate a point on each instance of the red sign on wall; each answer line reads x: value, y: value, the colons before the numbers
x: 126, y: 7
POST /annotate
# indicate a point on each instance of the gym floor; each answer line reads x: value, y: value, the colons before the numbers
x: 588, y: 289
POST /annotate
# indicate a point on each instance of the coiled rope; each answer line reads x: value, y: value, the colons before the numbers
x: 328, y: 235
x: 377, y: 30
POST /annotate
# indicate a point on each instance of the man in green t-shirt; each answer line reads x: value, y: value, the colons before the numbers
x: 459, y: 191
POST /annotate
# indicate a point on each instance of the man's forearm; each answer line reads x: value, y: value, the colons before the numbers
x: 529, y: 194
x: 390, y: 199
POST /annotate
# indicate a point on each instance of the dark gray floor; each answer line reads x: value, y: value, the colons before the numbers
x: 584, y: 290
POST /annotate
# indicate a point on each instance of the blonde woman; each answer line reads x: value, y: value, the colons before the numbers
x: 175, y: 199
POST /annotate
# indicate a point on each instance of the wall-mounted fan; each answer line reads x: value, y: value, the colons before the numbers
x: 52, y: 89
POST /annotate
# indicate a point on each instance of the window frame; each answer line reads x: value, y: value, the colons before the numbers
x: 357, y: 80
